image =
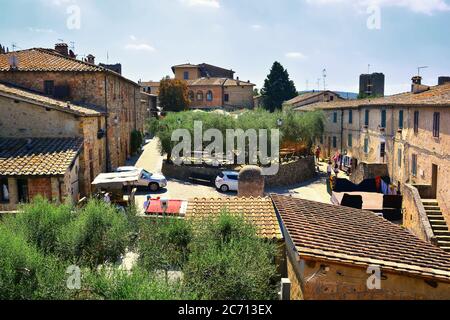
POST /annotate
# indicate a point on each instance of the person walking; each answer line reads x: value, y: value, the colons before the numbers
x: 336, y: 169
x: 329, y: 169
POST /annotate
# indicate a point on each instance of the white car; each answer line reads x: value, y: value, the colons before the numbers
x: 146, y: 179
x: 227, y: 181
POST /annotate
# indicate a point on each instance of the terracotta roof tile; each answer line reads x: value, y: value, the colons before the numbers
x: 259, y: 211
x: 38, y: 59
x: 33, y: 97
x: 437, y: 95
x: 38, y: 156
x: 334, y: 233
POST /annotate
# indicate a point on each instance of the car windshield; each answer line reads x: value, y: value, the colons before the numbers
x: 146, y: 174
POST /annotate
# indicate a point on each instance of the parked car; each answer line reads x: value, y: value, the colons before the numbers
x: 146, y: 179
x: 227, y: 181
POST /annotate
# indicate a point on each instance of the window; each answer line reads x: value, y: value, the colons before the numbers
x: 414, y: 165
x: 366, y: 118
x: 199, y: 96
x: 191, y: 96
x: 4, y: 190
x: 209, y: 96
x: 399, y: 156
x: 186, y: 75
x: 334, y: 142
x: 49, y: 87
x: 350, y: 116
x: 22, y: 190
x: 436, y: 124
x: 383, y: 149
x: 366, y: 145
x: 350, y: 140
x: 335, y: 117
x: 400, y: 119
x: 331, y: 98
x: 416, y: 122
x: 383, y: 119
x: 226, y: 97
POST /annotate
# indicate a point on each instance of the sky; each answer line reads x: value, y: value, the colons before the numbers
x: 307, y: 36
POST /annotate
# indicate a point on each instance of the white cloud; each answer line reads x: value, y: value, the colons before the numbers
x: 140, y: 47
x: 202, y: 3
x: 132, y: 37
x: 256, y: 27
x: 295, y: 55
x: 40, y: 30
x: 419, y: 6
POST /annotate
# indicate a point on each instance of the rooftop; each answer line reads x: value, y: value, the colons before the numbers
x: 357, y: 237
x: 49, y: 60
x: 308, y: 95
x: 435, y: 96
x: 218, y: 82
x: 10, y: 91
x: 38, y: 156
x: 258, y: 211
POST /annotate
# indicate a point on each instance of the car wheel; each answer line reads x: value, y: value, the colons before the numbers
x: 153, y: 187
x: 224, y: 188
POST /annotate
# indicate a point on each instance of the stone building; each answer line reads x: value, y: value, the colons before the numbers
x: 48, y: 167
x: 28, y: 115
x: 340, y: 253
x: 57, y: 74
x: 308, y: 98
x: 212, y: 87
x: 407, y: 134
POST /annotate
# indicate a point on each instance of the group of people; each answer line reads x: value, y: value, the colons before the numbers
x: 333, y: 164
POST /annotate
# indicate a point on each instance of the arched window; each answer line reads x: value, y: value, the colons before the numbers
x: 191, y: 96
x: 199, y: 96
x: 209, y: 96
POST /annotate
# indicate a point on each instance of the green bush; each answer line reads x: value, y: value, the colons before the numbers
x: 163, y: 244
x: 98, y: 235
x: 27, y: 274
x: 116, y: 284
x: 40, y: 222
x: 137, y: 140
x: 229, y: 262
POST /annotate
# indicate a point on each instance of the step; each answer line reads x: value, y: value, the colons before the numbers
x: 432, y: 208
x: 438, y: 222
x: 440, y: 228
x: 430, y: 203
x: 445, y: 233
x: 434, y: 217
x: 443, y: 238
x: 435, y: 213
x: 446, y: 249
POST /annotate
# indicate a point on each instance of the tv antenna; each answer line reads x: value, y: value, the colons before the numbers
x: 368, y: 68
x: 324, y: 74
x: 318, y: 84
x: 420, y: 68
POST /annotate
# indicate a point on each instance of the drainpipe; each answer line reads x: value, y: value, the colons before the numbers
x: 342, y: 135
x: 108, y: 165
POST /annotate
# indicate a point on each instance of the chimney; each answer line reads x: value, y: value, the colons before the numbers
x: 443, y: 80
x: 238, y: 81
x: 62, y: 49
x: 251, y: 182
x: 417, y: 86
x: 90, y: 59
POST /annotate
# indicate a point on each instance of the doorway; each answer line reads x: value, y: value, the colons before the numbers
x: 22, y: 190
x: 434, y: 181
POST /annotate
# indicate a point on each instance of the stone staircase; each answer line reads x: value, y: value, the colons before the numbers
x: 438, y: 224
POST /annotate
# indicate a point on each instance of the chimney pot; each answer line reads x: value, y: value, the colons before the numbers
x: 62, y: 48
x: 90, y: 59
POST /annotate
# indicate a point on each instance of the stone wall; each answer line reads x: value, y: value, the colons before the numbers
x: 346, y: 282
x: 289, y: 174
x: 369, y: 171
x: 415, y: 218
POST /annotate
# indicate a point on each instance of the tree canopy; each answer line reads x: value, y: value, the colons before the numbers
x: 278, y: 88
x: 173, y: 95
